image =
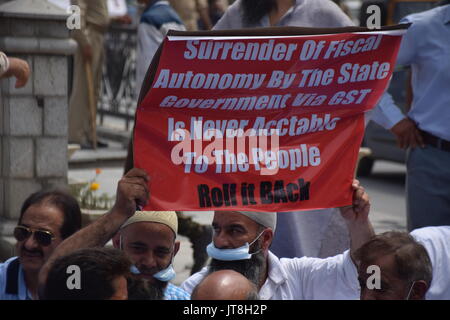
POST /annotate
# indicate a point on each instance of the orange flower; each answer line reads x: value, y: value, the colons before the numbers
x: 98, y: 171
x: 95, y: 186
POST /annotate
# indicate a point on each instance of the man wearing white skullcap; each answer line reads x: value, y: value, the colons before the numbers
x: 149, y: 240
x: 241, y: 243
x: 147, y: 237
x: 266, y: 219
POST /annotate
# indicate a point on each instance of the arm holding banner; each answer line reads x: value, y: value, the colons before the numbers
x: 132, y: 192
x: 357, y: 218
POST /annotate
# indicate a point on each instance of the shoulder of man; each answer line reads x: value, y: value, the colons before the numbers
x: 231, y: 19
x: 437, y: 244
x: 160, y: 14
x: 432, y: 235
x: 329, y: 12
x: 9, y: 276
x: 423, y: 22
x: 6, y: 264
x: 425, y: 16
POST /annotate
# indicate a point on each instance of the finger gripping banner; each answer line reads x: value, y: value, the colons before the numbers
x: 259, y: 123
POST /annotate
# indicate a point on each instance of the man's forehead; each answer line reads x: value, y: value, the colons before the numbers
x: 147, y: 230
x: 386, y: 264
x: 232, y: 217
x: 43, y: 216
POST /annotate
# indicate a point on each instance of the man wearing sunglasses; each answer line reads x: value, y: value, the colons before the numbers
x: 46, y: 219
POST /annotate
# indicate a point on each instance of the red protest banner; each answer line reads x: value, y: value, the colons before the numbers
x: 260, y: 123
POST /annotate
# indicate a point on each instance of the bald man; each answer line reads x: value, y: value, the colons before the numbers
x: 225, y: 285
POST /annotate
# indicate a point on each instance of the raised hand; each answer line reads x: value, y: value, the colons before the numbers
x: 132, y: 192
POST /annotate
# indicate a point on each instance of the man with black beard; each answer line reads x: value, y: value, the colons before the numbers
x: 241, y: 242
x: 302, y: 233
x: 315, y: 233
x: 251, y: 268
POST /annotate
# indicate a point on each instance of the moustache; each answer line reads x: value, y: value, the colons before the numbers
x: 147, y: 271
x: 33, y: 253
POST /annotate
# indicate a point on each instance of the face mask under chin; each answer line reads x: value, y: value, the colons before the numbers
x: 164, y: 275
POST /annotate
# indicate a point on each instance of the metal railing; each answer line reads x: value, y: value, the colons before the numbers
x: 117, y: 94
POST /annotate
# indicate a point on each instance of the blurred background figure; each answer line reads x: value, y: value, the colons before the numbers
x: 424, y: 130
x: 216, y: 9
x: 14, y: 67
x: 225, y: 285
x: 343, y: 6
x: 89, y: 56
x: 158, y: 18
x: 191, y: 11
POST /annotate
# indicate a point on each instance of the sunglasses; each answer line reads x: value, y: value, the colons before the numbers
x: 42, y: 237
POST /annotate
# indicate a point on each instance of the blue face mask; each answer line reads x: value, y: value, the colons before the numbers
x: 241, y: 253
x: 164, y: 275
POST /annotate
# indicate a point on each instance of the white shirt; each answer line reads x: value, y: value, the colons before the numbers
x: 4, y: 63
x: 436, y: 241
x: 303, y: 278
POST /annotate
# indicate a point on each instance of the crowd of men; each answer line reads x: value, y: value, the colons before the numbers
x: 393, y: 265
x: 140, y: 266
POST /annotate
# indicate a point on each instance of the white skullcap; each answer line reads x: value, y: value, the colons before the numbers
x: 169, y: 218
x: 266, y: 219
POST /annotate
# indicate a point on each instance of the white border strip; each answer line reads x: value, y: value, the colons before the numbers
x: 185, y: 38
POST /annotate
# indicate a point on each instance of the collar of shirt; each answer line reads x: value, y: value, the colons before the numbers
x: 276, y: 277
x: 446, y: 16
x: 23, y: 293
